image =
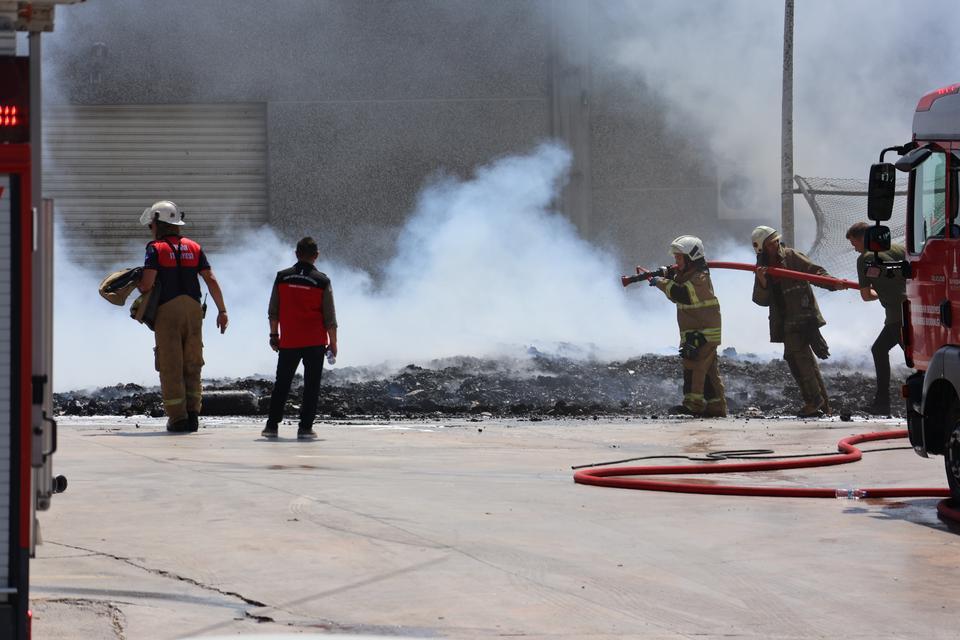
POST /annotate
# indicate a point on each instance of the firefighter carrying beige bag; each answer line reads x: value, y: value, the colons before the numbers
x: 170, y: 305
x: 118, y: 286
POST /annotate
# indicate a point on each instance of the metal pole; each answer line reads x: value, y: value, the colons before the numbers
x: 786, y: 129
x: 570, y: 108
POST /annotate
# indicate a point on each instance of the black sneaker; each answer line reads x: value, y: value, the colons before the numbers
x: 269, y: 431
x: 308, y: 434
x: 193, y: 421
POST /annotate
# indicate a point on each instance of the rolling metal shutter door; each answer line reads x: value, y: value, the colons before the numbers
x: 6, y: 362
x: 104, y: 164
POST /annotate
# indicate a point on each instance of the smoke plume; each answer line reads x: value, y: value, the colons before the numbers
x: 482, y: 267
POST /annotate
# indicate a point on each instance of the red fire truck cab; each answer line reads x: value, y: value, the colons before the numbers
x: 931, y: 318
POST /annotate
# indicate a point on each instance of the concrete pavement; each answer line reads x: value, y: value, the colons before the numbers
x: 459, y: 529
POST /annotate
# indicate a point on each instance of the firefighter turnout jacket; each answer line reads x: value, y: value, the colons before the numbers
x: 302, y: 302
x: 792, y: 304
x: 698, y: 309
x: 178, y: 262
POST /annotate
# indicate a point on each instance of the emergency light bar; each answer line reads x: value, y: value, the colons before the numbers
x: 8, y: 115
x: 927, y: 101
x: 14, y: 100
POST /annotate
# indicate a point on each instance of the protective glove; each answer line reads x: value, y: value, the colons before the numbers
x: 817, y: 343
x: 655, y: 280
x: 275, y: 341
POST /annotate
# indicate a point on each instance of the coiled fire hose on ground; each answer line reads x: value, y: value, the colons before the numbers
x: 614, y: 477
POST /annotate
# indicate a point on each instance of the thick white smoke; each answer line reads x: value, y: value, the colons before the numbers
x: 483, y: 267
x: 859, y: 66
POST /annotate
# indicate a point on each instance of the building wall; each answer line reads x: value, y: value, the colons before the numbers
x: 367, y: 99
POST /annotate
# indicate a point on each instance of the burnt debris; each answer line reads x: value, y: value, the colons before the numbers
x: 536, y: 386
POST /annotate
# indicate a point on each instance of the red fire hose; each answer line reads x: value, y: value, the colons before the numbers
x: 613, y: 477
x: 777, y: 272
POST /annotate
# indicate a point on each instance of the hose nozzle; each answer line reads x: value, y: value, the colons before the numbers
x: 643, y: 274
x: 629, y: 280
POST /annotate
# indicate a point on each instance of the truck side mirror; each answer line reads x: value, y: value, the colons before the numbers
x: 880, y: 191
x: 877, y: 238
x: 910, y: 161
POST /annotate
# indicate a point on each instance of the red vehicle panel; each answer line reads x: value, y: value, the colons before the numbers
x: 933, y: 244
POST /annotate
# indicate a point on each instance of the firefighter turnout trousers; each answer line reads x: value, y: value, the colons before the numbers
x: 703, y: 390
x: 804, y: 367
x: 179, y: 355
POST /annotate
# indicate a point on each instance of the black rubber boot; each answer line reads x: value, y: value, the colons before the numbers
x: 683, y: 410
x: 179, y: 426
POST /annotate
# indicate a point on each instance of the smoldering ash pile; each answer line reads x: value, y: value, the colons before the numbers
x: 534, y: 386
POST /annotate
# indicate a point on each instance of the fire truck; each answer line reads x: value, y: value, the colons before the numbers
x: 930, y: 333
x: 28, y: 432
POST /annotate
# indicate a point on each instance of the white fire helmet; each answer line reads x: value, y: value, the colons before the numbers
x: 690, y: 246
x: 760, y: 235
x: 162, y: 211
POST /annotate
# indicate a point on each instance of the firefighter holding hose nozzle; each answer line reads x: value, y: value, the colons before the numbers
x: 795, y: 318
x: 698, y: 316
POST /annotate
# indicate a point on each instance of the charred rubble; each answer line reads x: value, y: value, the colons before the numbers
x: 538, y: 386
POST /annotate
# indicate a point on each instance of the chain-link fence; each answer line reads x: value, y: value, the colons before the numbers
x: 836, y: 204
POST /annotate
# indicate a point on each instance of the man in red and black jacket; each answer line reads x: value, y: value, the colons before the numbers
x: 303, y: 326
x: 172, y: 269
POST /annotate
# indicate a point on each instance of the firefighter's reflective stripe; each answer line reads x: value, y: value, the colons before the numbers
x: 694, y: 402
x: 698, y: 305
x: 712, y: 334
x: 694, y: 300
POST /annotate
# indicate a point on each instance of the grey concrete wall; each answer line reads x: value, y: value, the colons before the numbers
x: 359, y: 166
x: 300, y: 50
x: 368, y: 99
x: 650, y: 183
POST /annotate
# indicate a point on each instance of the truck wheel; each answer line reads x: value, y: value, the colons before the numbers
x: 951, y: 460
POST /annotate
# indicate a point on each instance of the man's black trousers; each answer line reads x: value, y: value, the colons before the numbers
x: 287, y: 362
x: 888, y: 339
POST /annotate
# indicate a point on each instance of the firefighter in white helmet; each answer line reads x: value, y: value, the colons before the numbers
x: 795, y: 318
x: 698, y: 316
x: 171, y: 269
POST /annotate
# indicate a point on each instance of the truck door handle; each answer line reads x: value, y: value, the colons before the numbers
x: 946, y: 314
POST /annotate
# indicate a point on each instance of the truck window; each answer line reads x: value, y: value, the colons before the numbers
x: 929, y: 201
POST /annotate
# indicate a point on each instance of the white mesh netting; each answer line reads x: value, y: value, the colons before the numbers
x: 836, y: 204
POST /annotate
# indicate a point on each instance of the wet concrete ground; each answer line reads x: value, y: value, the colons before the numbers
x: 460, y: 529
